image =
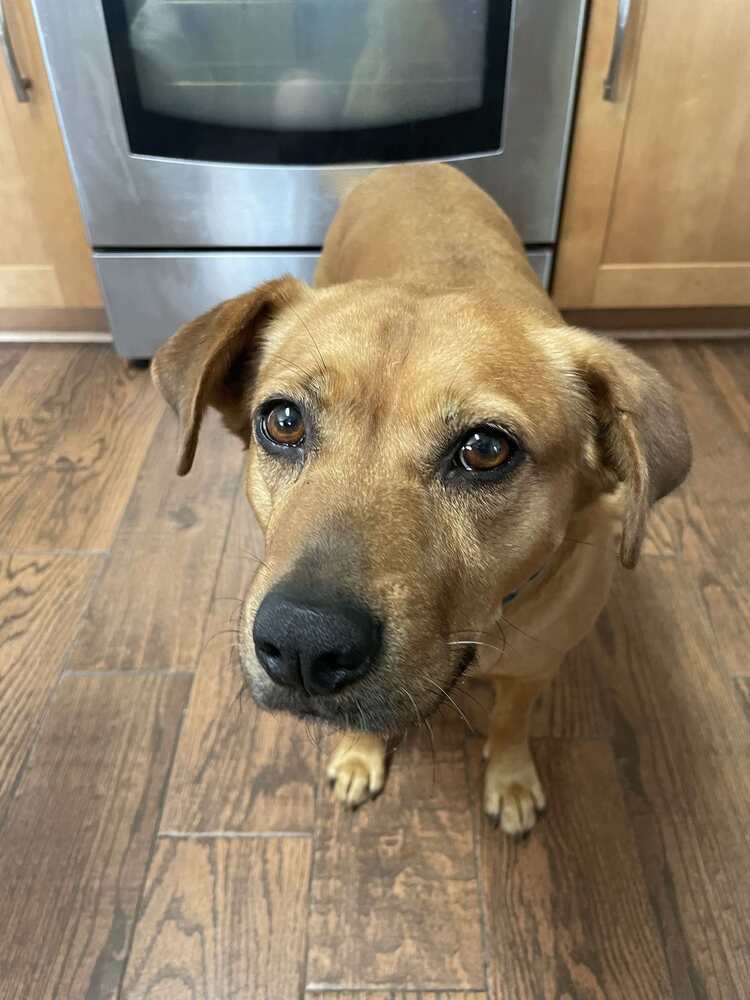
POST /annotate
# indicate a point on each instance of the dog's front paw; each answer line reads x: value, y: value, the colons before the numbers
x: 513, y: 794
x: 357, y: 769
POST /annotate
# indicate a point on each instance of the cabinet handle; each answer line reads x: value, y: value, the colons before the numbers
x: 611, y: 80
x: 21, y: 83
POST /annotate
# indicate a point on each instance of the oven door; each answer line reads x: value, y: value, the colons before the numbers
x: 242, y: 123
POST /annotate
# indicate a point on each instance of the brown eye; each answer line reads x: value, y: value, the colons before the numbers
x: 284, y: 425
x: 485, y: 450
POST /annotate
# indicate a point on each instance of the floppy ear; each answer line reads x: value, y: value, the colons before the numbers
x: 641, y: 435
x: 211, y: 361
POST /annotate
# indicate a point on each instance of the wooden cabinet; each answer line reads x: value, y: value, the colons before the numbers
x: 47, y: 277
x: 657, y: 210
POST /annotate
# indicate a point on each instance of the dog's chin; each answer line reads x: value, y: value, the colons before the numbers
x: 309, y: 708
x: 364, y: 711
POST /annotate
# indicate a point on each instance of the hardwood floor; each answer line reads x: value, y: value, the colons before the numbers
x: 158, y: 838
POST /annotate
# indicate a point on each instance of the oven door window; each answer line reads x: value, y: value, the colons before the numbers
x: 310, y: 81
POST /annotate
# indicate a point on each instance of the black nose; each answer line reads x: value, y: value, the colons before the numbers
x: 318, y: 645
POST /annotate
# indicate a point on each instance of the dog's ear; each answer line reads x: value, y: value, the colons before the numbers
x: 641, y: 437
x: 211, y: 361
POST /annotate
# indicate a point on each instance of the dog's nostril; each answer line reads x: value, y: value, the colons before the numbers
x: 329, y: 672
x: 328, y: 662
x: 281, y: 667
x: 268, y: 649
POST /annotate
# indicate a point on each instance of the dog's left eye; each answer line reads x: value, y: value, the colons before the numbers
x: 282, y: 425
x: 485, y: 449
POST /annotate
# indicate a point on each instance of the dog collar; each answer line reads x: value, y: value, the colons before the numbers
x: 514, y: 593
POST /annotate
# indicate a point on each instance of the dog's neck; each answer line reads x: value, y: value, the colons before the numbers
x: 556, y: 607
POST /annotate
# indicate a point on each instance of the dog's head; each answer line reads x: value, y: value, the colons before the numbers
x: 412, y: 459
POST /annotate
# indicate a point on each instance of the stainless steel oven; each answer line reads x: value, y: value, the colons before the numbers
x: 212, y: 140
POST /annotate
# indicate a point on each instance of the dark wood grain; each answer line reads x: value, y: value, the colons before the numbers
x: 679, y: 870
x: 77, y: 840
x: 567, y: 912
x: 237, y: 768
x: 74, y: 427
x: 394, y: 895
x: 41, y: 600
x: 222, y: 918
x: 151, y: 604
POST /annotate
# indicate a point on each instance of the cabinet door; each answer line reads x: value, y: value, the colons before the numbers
x: 657, y: 211
x: 45, y: 262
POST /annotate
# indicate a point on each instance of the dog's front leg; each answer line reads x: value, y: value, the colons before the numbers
x: 357, y: 768
x: 512, y: 791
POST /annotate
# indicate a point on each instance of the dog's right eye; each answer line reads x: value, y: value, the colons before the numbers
x: 281, y: 426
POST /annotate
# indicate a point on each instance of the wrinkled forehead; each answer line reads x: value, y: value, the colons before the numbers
x: 447, y: 358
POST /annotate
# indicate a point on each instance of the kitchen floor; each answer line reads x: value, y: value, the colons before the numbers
x: 161, y: 838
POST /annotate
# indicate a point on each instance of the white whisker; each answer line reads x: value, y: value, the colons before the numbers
x: 442, y: 690
x: 473, y: 642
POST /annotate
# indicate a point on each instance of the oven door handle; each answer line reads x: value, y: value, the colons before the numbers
x: 624, y: 9
x: 21, y: 83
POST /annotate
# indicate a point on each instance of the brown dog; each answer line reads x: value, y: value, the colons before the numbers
x: 428, y: 443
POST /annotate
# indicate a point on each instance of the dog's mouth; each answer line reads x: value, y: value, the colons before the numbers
x: 465, y: 661
x: 366, y: 710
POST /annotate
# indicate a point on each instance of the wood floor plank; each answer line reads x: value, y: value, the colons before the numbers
x: 41, y: 600
x: 153, y: 599
x: 394, y: 893
x: 666, y: 673
x: 683, y: 749
x: 71, y: 446
x: 696, y: 871
x: 10, y: 355
x: 33, y: 380
x: 725, y: 602
x: 567, y: 912
x: 77, y: 839
x: 237, y: 768
x: 222, y: 918
x: 713, y: 382
x: 711, y: 540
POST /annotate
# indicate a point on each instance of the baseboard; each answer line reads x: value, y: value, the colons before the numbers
x: 674, y: 324
x: 54, y: 337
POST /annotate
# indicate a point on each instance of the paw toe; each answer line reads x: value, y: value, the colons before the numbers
x: 353, y: 783
x: 513, y: 806
x: 359, y: 790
